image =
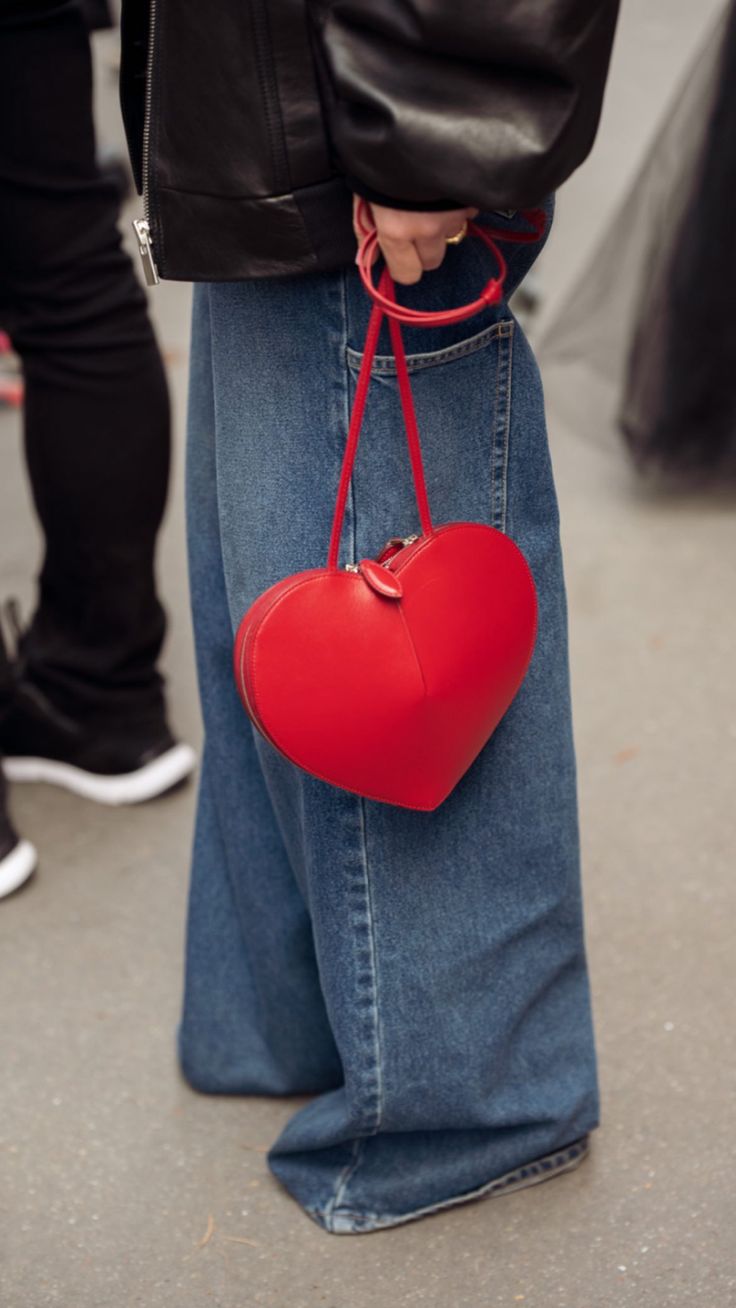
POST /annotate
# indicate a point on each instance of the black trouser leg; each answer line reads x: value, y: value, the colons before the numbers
x: 97, y: 410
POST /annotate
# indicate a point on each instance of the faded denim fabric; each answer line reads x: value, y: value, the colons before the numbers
x: 422, y: 975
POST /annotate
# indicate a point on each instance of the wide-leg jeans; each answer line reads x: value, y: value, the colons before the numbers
x: 421, y: 975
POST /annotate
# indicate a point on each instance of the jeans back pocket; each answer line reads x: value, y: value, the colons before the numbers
x: 462, y: 396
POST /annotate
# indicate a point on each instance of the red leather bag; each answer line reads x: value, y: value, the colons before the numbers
x: 387, y: 677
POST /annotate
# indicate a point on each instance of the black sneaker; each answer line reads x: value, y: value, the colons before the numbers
x: 124, y: 762
x: 18, y: 858
x: 122, y: 765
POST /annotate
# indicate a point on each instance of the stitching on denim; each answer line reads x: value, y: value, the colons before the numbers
x: 375, y: 1095
x: 342, y: 1181
x: 541, y: 1169
x: 500, y: 435
x: 507, y: 427
x: 360, y: 910
x: 374, y: 969
x: 385, y: 364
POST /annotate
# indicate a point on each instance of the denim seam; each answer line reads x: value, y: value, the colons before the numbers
x: 541, y: 1169
x: 386, y: 364
x: 501, y: 430
x: 507, y: 426
x: 367, y: 983
x: 342, y: 1182
x: 378, y: 1074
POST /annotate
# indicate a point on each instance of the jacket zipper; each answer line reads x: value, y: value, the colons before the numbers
x: 142, y: 226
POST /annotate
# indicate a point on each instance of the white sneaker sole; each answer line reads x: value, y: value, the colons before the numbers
x: 17, y: 866
x: 127, y: 788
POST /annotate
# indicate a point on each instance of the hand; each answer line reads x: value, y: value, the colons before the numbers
x: 413, y: 243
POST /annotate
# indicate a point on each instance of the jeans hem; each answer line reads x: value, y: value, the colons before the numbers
x: 346, y: 1221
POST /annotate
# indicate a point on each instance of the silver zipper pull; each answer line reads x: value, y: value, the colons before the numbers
x: 396, y: 544
x: 143, y: 232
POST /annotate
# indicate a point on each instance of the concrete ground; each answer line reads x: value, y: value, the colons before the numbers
x: 120, y: 1187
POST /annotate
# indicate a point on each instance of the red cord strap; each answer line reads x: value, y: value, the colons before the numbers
x: 384, y: 304
x: 491, y: 293
x: 356, y: 420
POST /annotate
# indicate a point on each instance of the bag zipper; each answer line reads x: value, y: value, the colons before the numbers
x: 142, y: 226
x: 414, y: 544
x: 399, y: 544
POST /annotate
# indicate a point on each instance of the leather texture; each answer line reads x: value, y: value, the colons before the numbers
x: 265, y: 114
x: 392, y: 697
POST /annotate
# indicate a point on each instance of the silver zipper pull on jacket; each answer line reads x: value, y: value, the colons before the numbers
x: 143, y: 233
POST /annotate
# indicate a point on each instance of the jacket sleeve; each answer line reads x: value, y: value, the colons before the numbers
x: 439, y: 103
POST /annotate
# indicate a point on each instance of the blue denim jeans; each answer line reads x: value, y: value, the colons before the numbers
x: 421, y: 975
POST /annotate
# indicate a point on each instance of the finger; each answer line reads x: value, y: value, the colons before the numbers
x: 402, y: 260
x: 359, y: 233
x: 455, y: 221
x: 454, y: 226
x: 431, y: 251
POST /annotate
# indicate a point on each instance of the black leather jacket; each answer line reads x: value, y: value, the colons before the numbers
x: 250, y: 121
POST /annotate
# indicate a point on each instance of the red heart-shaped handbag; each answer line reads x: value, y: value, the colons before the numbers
x: 387, y: 677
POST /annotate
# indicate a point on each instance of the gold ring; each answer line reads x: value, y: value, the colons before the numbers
x: 458, y: 237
